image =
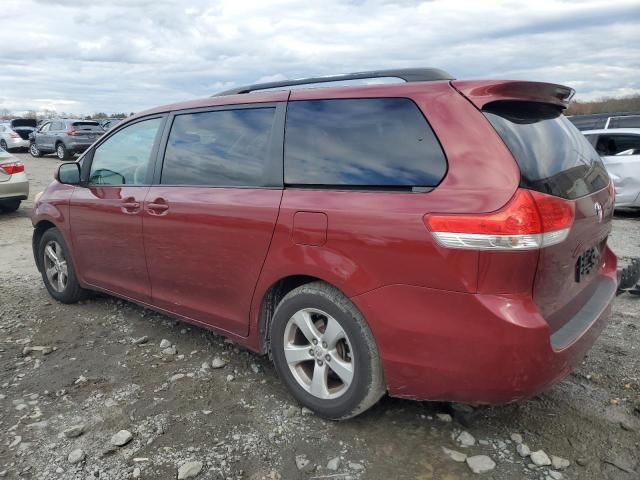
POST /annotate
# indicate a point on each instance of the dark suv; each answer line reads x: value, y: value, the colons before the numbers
x: 433, y: 239
x: 64, y: 137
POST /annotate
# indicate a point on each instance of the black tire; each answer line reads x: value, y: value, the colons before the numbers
x: 10, y: 206
x: 34, y: 150
x: 61, y: 152
x: 3, y: 145
x: 72, y: 292
x: 367, y: 385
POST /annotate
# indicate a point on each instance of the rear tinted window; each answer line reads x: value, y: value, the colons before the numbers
x: 553, y: 156
x: 361, y: 143
x: 223, y: 148
x: 94, y: 126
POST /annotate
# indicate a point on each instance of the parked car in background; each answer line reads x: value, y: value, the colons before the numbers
x: 109, y: 123
x: 433, y: 239
x: 620, y: 152
x: 606, y: 120
x: 64, y: 137
x: 14, y: 185
x: 14, y: 134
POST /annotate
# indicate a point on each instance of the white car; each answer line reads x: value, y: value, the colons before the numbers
x: 620, y: 152
x: 14, y: 185
x: 14, y: 134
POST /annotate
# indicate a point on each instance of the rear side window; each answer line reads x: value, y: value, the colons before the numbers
x: 224, y: 148
x: 553, y: 156
x: 618, y: 144
x: 382, y: 142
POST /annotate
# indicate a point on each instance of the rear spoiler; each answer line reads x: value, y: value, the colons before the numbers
x: 482, y: 92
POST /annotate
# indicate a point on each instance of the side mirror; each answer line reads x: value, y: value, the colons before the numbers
x: 68, y: 173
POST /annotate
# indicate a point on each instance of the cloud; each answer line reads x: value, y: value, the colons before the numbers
x: 128, y: 55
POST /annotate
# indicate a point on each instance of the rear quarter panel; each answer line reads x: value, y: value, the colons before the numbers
x: 379, y: 238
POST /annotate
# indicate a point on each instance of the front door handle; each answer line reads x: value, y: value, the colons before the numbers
x: 129, y: 205
x: 158, y: 207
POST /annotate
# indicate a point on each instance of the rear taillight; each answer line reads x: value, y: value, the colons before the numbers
x: 72, y: 132
x: 14, y: 135
x: 13, y: 167
x: 530, y: 220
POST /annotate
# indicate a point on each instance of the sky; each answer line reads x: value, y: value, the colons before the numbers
x: 128, y: 55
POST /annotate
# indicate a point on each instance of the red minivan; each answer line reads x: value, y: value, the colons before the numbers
x: 434, y: 239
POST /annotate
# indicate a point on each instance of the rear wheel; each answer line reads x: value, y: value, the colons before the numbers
x: 34, y: 150
x: 325, y: 353
x: 3, y: 145
x: 62, y: 152
x: 10, y: 206
x: 57, y: 268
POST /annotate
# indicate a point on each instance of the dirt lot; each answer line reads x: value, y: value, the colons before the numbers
x: 105, y: 372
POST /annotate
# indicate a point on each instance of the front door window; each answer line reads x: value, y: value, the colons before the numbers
x: 124, y: 158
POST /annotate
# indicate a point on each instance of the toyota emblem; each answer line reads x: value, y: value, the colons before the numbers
x: 598, y: 208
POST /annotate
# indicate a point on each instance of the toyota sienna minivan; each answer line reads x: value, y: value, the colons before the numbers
x: 430, y: 239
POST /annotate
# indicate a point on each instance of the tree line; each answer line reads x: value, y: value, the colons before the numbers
x: 6, y: 114
x: 629, y: 103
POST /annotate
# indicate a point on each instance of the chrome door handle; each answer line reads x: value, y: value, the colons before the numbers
x: 154, y: 208
x: 130, y: 207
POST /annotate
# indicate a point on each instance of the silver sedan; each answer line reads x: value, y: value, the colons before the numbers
x: 14, y: 185
x: 14, y: 134
x: 619, y: 149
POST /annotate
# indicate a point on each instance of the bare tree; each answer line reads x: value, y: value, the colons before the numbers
x: 605, y: 105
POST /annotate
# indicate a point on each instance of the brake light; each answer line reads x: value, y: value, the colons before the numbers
x: 14, y: 135
x: 530, y: 220
x: 13, y: 167
x: 72, y: 132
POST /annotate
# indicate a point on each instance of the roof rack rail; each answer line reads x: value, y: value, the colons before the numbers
x: 406, y: 74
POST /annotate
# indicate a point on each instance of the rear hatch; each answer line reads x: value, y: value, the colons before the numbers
x: 556, y: 159
x: 24, y: 126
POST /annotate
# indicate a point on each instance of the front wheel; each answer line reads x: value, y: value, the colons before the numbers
x: 57, y: 269
x: 3, y: 145
x: 62, y: 153
x: 325, y: 353
x: 34, y: 150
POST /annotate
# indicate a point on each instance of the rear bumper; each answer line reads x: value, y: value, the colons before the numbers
x: 16, y: 188
x: 78, y: 147
x: 17, y: 143
x: 473, y: 348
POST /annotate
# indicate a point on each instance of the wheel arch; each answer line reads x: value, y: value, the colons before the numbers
x: 270, y: 300
x: 39, y: 229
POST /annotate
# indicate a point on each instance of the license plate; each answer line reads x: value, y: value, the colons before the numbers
x: 587, y: 263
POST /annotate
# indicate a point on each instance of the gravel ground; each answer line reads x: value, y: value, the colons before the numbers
x: 102, y: 400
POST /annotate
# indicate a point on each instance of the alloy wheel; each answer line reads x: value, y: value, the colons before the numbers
x: 55, y: 266
x: 33, y: 148
x: 60, y: 152
x: 318, y: 353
